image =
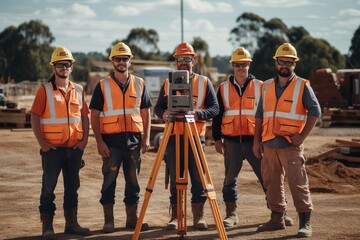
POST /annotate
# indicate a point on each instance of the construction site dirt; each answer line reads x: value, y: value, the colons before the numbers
x: 335, y: 188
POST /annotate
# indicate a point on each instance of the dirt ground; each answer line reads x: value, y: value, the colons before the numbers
x: 335, y: 191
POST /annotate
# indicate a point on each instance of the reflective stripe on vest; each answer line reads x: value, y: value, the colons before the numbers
x: 50, y: 100
x: 111, y: 111
x: 252, y: 112
x: 295, y: 97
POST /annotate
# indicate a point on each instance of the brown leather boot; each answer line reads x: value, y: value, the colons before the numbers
x: 276, y: 222
x: 71, y: 224
x: 304, y: 225
x: 131, y: 217
x: 231, y: 218
x: 47, y: 226
x: 172, y: 224
x: 108, y: 218
x: 198, y: 216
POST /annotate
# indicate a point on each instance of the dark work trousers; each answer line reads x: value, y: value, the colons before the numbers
x: 67, y: 160
x: 197, y: 190
x: 234, y: 155
x: 131, y: 162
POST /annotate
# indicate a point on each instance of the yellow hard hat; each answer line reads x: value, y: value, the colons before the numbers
x: 286, y: 50
x: 241, y: 55
x: 61, y: 54
x: 184, y: 48
x: 120, y: 49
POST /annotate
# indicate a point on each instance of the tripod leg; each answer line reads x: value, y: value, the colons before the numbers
x: 181, y: 184
x: 204, y: 173
x: 151, y: 182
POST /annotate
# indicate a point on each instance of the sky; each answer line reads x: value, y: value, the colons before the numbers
x: 92, y: 25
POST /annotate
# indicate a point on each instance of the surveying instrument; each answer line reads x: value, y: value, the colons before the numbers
x: 181, y: 123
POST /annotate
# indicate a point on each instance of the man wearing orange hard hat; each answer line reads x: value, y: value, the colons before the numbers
x: 286, y: 114
x: 205, y: 107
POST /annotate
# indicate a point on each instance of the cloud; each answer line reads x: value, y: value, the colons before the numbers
x: 312, y: 17
x: 350, y: 12
x: 206, y: 7
x: 126, y: 10
x: 56, y: 12
x: 350, y: 24
x: 82, y: 10
x: 275, y: 3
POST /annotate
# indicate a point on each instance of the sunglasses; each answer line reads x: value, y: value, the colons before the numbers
x: 62, y: 65
x: 118, y: 59
x: 286, y: 63
x: 243, y: 65
x: 186, y: 59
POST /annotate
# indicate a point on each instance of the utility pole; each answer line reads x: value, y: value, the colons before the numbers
x: 182, y: 19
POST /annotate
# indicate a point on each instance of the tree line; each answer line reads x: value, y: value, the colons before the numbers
x: 25, y: 50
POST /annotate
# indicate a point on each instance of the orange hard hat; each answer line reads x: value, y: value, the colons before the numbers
x: 184, y: 48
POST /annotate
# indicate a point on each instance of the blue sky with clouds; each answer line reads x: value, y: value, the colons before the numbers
x: 91, y: 25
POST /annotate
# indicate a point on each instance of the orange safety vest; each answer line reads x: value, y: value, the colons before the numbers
x: 285, y: 116
x: 121, y: 111
x: 199, y: 86
x: 61, y: 123
x: 239, y: 112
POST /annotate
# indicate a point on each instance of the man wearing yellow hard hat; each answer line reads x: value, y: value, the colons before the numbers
x: 233, y: 128
x: 59, y: 119
x: 286, y: 114
x: 120, y: 119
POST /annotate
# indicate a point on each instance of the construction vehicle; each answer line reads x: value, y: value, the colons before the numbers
x: 338, y: 94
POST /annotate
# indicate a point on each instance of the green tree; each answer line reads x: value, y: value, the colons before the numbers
x: 201, y: 47
x: 143, y: 44
x: 262, y: 38
x: 354, y: 50
x: 26, y: 51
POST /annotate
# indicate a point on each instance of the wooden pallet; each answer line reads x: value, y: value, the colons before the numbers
x: 348, y: 150
x: 17, y: 118
x: 340, y: 117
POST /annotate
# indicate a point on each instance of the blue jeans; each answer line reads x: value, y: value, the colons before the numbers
x: 131, y: 168
x: 234, y: 155
x: 68, y: 161
x: 197, y: 190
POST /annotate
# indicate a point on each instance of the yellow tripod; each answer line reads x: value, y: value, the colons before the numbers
x: 190, y: 135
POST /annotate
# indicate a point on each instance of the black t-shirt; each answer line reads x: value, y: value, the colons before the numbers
x: 125, y: 140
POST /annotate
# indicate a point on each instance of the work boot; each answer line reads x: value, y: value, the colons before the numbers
x: 172, y: 224
x: 131, y: 217
x: 288, y: 221
x: 304, y: 225
x: 231, y: 218
x: 276, y: 222
x: 71, y: 224
x: 108, y: 218
x: 198, y: 216
x: 47, y: 226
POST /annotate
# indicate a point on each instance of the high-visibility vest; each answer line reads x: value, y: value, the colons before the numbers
x: 121, y: 111
x: 285, y: 116
x: 61, y: 123
x: 239, y: 111
x: 199, y: 86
